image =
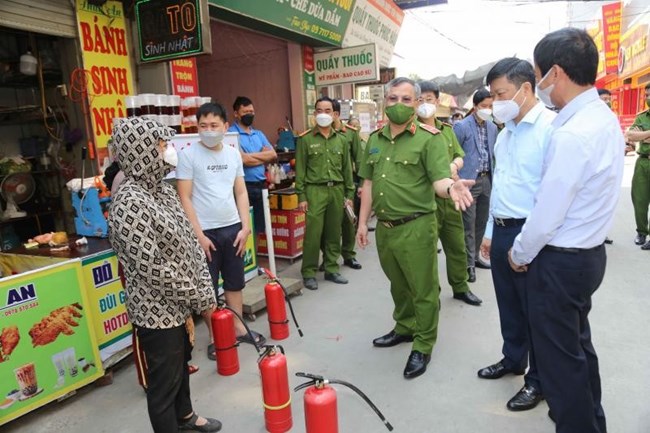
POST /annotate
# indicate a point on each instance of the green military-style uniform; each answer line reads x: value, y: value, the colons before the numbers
x: 450, y: 221
x: 402, y: 171
x: 641, y: 177
x: 348, y: 230
x: 323, y: 180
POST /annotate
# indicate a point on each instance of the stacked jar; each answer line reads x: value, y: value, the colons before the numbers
x: 170, y: 110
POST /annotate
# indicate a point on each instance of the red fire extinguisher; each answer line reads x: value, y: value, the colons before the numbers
x: 321, y: 414
x: 275, y: 390
x: 276, y: 295
x: 225, y: 341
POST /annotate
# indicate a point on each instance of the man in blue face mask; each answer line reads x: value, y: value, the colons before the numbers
x: 213, y: 193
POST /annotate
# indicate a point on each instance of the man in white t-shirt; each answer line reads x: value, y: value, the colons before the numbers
x: 213, y: 193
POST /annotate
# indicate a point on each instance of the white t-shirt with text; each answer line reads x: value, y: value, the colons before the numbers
x: 213, y: 175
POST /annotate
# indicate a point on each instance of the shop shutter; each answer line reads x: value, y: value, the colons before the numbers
x: 51, y: 17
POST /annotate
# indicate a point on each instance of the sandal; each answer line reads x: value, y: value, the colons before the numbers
x: 212, y: 353
x: 192, y: 368
x: 212, y: 425
x: 246, y: 338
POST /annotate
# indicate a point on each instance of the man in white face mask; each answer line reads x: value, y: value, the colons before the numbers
x: 213, y: 193
x: 519, y: 158
x: 449, y: 219
x: 323, y: 184
x: 476, y: 134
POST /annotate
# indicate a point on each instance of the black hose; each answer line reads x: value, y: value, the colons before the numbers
x: 248, y: 330
x: 320, y: 380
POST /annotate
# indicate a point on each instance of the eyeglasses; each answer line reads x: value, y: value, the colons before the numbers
x: 428, y: 100
x: 395, y: 99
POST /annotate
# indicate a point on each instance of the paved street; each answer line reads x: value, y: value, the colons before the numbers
x: 339, y: 323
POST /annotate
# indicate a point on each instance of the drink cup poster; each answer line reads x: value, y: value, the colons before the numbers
x: 47, y: 346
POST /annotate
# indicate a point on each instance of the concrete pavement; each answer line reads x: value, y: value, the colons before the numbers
x: 340, y: 321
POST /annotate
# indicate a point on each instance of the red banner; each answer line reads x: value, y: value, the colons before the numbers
x: 611, y: 35
x: 185, y: 78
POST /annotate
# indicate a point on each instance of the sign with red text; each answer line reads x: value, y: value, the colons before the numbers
x: 347, y: 65
x: 105, y: 53
x: 106, y: 301
x: 171, y: 29
x: 611, y: 35
x: 185, y: 79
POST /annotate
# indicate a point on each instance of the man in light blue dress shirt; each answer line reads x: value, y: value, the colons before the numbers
x: 560, y: 246
x: 519, y: 157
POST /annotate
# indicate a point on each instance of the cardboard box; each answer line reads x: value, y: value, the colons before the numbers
x: 289, y: 202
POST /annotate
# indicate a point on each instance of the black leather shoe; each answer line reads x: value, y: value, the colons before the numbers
x: 468, y: 298
x: 335, y: 278
x: 646, y: 246
x: 310, y: 283
x: 527, y: 398
x: 608, y: 241
x: 482, y: 265
x: 352, y: 263
x: 471, y: 275
x: 639, y: 239
x: 391, y: 339
x: 496, y: 371
x: 416, y: 364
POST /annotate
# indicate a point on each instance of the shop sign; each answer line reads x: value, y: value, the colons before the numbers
x: 185, y: 78
x: 347, y: 65
x: 108, y: 77
x: 48, y: 345
x: 634, y: 51
x: 310, y: 83
x: 611, y: 35
x: 171, y: 29
x: 323, y: 20
x: 106, y: 299
x: 378, y: 22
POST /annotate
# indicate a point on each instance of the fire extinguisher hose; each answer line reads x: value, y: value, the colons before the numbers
x: 272, y: 277
x: 319, y: 381
x: 248, y: 330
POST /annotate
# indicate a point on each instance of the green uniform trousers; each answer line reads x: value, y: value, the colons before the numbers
x: 452, y: 236
x: 641, y: 194
x: 323, y: 220
x: 408, y: 257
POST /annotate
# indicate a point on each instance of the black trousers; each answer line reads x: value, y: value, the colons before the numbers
x: 167, y: 352
x: 560, y: 286
x: 512, y: 299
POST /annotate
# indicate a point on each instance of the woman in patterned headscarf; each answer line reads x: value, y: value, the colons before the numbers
x: 165, y: 269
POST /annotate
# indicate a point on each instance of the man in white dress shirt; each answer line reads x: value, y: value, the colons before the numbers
x: 519, y: 157
x: 561, y: 244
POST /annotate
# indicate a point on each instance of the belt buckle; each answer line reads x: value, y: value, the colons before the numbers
x: 387, y: 224
x: 499, y: 222
x: 330, y: 183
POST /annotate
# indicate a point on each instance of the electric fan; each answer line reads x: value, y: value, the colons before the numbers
x: 15, y: 189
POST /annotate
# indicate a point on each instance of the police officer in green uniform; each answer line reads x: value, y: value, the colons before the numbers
x: 348, y: 229
x: 450, y: 220
x: 640, y: 131
x: 404, y: 164
x: 323, y: 184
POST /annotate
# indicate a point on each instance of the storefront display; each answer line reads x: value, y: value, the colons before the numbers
x: 48, y: 347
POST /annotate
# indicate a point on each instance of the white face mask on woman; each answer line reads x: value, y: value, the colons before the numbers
x: 170, y: 156
x: 484, y: 114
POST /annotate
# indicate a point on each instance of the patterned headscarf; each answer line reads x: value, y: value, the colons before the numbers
x: 135, y: 143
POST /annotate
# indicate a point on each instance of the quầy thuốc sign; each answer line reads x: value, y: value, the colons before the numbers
x: 347, y: 65
x: 172, y: 29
